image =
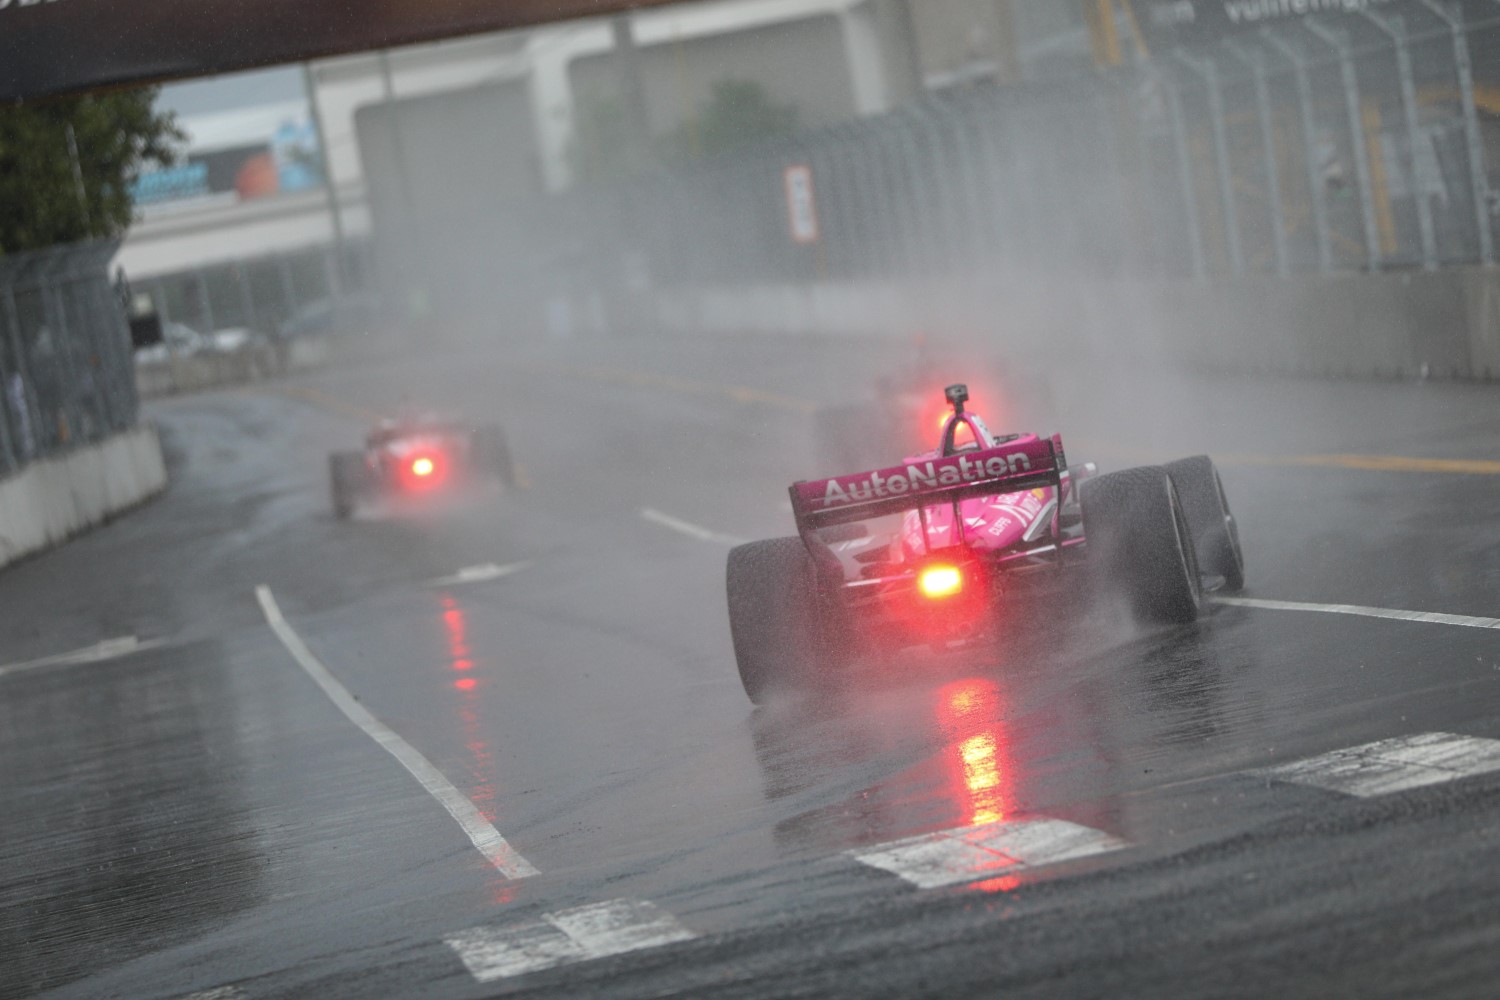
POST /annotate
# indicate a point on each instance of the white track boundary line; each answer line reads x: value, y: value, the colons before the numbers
x: 485, y: 838
x: 691, y: 530
x: 109, y: 649
x: 1431, y: 617
x: 478, y: 574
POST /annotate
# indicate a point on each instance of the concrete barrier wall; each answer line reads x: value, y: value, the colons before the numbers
x: 194, y: 373
x: 55, y: 498
x: 1443, y: 324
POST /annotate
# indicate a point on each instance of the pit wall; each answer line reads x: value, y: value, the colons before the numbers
x: 55, y: 498
x: 1441, y: 324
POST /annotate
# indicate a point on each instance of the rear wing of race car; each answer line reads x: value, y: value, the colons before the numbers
x: 1006, y: 468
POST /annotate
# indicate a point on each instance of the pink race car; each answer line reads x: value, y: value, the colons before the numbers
x: 924, y: 551
x: 417, y: 457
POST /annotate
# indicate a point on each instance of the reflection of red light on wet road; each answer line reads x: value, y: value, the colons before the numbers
x: 982, y: 777
x: 481, y: 762
x: 1005, y: 883
x: 979, y: 773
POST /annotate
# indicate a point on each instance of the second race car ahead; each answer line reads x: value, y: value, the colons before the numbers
x: 416, y: 457
x: 925, y: 551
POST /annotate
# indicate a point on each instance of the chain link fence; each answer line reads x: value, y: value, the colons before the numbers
x: 65, y: 357
x: 1331, y: 142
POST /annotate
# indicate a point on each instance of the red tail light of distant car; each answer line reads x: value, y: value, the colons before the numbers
x: 424, y: 471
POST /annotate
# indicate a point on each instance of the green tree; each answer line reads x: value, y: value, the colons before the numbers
x: 49, y: 196
x: 738, y: 113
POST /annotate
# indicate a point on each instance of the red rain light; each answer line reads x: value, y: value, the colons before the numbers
x: 941, y: 580
x: 423, y: 467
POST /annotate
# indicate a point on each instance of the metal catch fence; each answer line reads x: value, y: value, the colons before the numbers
x: 65, y: 358
x: 1352, y: 140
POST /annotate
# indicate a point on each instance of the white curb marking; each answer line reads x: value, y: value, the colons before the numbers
x: 1393, y: 765
x: 109, y: 649
x: 691, y: 530
x: 478, y: 574
x: 969, y: 854
x: 1432, y: 617
x: 566, y: 937
x: 485, y: 838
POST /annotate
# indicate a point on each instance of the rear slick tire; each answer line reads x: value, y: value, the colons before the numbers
x: 347, y: 474
x: 1215, y: 535
x: 1138, y: 536
x: 774, y: 616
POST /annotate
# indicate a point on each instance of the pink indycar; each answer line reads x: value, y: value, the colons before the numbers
x: 925, y: 551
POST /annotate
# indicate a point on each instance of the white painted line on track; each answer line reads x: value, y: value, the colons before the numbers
x: 691, y: 530
x: 1393, y: 765
x: 1432, y: 617
x: 485, y: 838
x: 566, y: 937
x: 969, y: 854
x: 478, y: 574
x: 218, y: 993
x: 109, y: 649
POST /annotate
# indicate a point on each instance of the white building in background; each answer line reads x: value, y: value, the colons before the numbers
x: 831, y: 59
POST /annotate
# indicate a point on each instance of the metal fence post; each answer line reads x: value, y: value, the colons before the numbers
x: 1309, y: 145
x: 62, y: 354
x: 247, y: 300
x: 1256, y: 60
x: 206, y: 302
x: 23, y: 368
x: 1395, y: 27
x: 7, y: 434
x: 1339, y: 42
x: 163, y: 312
x: 288, y: 287
x: 1210, y: 74
x: 1185, y: 173
x: 1452, y: 14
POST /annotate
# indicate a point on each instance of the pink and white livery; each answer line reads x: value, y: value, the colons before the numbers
x: 924, y: 551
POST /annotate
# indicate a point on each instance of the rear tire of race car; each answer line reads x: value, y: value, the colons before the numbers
x: 1138, y: 536
x: 1216, y: 537
x: 774, y: 616
x: 492, y: 457
x: 347, y: 474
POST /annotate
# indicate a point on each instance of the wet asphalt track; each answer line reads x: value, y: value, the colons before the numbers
x: 199, y: 816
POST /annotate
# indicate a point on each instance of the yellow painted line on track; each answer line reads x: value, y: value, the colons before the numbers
x: 1368, y: 463
x: 325, y: 401
x: 685, y: 386
x: 753, y: 396
x: 1398, y: 463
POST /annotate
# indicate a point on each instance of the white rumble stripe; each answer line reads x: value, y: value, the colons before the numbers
x: 969, y: 854
x: 566, y: 937
x: 1393, y: 765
